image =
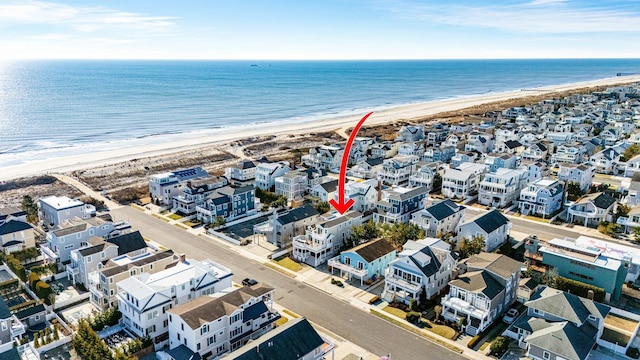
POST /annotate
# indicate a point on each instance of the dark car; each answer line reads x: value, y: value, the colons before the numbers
x: 249, y: 282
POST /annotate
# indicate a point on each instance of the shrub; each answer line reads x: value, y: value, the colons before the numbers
x: 25, y: 254
x: 43, y: 290
x: 633, y: 352
x: 412, y: 317
x: 499, y: 346
x: 374, y: 299
x: 579, y: 288
x: 33, y: 280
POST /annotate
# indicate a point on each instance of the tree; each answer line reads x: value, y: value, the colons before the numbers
x: 573, y: 191
x: 400, y: 233
x: 36, y: 342
x: 471, y: 247
x: 438, y: 310
x: 631, y: 151
x: 31, y: 208
x: 623, y: 210
x: 636, y: 234
x: 280, y: 202
x: 499, y: 346
x: 436, y: 185
x: 363, y: 233
x: 322, y: 207
x: 413, y: 305
x: 220, y: 221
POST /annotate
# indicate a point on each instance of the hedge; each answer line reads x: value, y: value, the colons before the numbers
x: 473, y: 342
x: 33, y: 280
x: 25, y: 254
x: 579, y: 288
x: 43, y: 290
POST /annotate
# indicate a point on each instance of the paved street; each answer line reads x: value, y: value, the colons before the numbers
x: 363, y: 329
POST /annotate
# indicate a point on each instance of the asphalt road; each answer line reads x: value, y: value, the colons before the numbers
x: 373, y: 334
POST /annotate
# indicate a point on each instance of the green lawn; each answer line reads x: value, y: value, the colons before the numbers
x: 174, y: 216
x: 288, y: 263
x: 394, y: 311
x: 441, y: 330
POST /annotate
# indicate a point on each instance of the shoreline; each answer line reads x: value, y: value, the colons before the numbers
x: 409, y: 112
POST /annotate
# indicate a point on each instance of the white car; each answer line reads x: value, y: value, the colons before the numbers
x: 510, y: 316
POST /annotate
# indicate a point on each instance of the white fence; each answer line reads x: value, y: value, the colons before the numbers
x: 224, y: 237
x: 73, y: 300
x: 280, y: 252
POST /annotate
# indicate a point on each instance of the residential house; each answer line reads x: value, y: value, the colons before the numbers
x: 16, y: 235
x: 397, y: 170
x: 504, y: 135
x: 581, y: 174
x: 437, y: 134
x: 243, y: 171
x: 145, y: 299
x: 536, y: 151
x: 606, y: 161
x: 74, y: 233
x: 384, y: 150
x: 195, y: 192
x: 295, y: 340
x: 231, y: 203
x: 411, y: 148
x: 493, y: 227
x: 399, y: 203
x: 443, y: 153
x: 326, y: 157
x: 293, y: 184
x: 56, y: 209
x: 164, y: 187
x: 462, y: 182
x: 423, y: 266
x: 92, y: 257
x: 368, y: 169
x: 366, y: 261
x: 452, y: 140
x: 440, y: 218
x: 591, y: 210
x: 526, y: 288
x: 513, y: 147
x: 322, y: 241
x: 541, y: 198
x: 10, y: 327
x: 569, y: 153
x: 103, y: 284
x: 410, y: 133
x: 283, y: 227
x: 482, y: 143
x: 485, y: 290
x: 610, y: 135
x: 326, y: 190
x: 633, y: 197
x: 424, y: 175
x: 463, y: 157
x: 33, y: 316
x: 266, y: 174
x: 364, y: 194
x: 12, y: 213
x: 631, y: 221
x: 212, y: 326
x: 535, y: 170
x: 502, y: 187
x: 632, y: 166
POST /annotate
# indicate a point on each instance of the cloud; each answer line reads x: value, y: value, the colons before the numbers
x: 537, y: 16
x: 83, y: 19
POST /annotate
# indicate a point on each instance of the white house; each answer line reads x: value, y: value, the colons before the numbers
x: 368, y: 169
x: 493, y: 227
x: 214, y: 325
x: 482, y: 143
x: 502, y: 187
x: 56, y: 209
x: 195, y: 192
x: 439, y: 218
x: 145, y: 299
x: 569, y: 153
x: 632, y: 165
x: 581, y: 174
x: 164, y: 187
x: 606, y: 161
x: 323, y: 241
x: 424, y: 175
x: 541, y: 198
x: 464, y: 181
x: 266, y: 173
x: 536, y: 151
x: 423, y: 265
x: 535, y: 170
x: 244, y: 170
x: 411, y: 133
x: 591, y: 210
x: 293, y: 184
x: 282, y: 228
x: 364, y: 194
x: 397, y: 170
x: 326, y: 157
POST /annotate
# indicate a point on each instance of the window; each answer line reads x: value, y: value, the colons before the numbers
x: 198, y: 347
x: 103, y: 255
x: 546, y: 355
x: 538, y: 312
x: 67, y: 247
x: 88, y: 259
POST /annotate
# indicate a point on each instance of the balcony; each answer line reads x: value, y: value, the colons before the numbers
x: 533, y: 256
x: 336, y: 264
x: 462, y: 307
x: 400, y: 282
x: 313, y: 243
x: 17, y: 328
x: 72, y: 269
x: 586, y: 214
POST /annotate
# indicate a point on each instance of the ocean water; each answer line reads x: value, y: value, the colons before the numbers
x: 56, y: 108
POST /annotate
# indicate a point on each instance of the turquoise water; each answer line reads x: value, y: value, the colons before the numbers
x: 74, y: 105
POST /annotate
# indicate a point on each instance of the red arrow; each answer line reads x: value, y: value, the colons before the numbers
x: 340, y: 205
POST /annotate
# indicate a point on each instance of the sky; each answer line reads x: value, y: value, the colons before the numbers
x: 320, y: 29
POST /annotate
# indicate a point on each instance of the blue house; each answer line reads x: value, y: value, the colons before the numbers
x: 399, y: 203
x: 364, y: 261
x: 443, y: 153
x: 500, y: 161
x: 228, y: 202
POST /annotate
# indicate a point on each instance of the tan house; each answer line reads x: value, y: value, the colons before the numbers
x: 16, y: 235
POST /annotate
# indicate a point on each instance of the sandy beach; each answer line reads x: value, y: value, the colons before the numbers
x: 409, y: 113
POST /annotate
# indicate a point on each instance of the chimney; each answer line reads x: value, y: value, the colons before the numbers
x: 379, y: 190
x: 590, y: 294
x: 183, y: 258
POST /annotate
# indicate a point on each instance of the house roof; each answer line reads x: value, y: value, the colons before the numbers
x: 566, y: 306
x: 529, y: 283
x: 330, y: 186
x: 291, y: 341
x: 90, y: 250
x: 110, y: 271
x: 30, y: 311
x: 4, y: 309
x: 205, y: 309
x: 479, y: 281
x: 444, y: 209
x: 500, y: 265
x: 491, y: 221
x: 434, y: 256
x: 128, y: 242
x: 297, y: 214
x: 243, y: 165
x: 600, y: 200
x: 512, y: 144
x: 340, y: 219
x: 405, y: 195
x: 565, y: 339
x: 13, y: 226
x: 375, y: 161
x: 183, y: 353
x: 11, y: 354
x: 374, y: 249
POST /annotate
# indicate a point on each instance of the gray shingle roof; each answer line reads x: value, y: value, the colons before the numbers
x: 128, y: 242
x: 565, y: 339
x: 566, y: 306
x: 13, y: 226
x: 500, y: 265
x: 297, y: 214
x: 444, y: 209
x: 479, y: 281
x: 600, y: 200
x: 4, y: 309
x: 374, y: 249
x: 491, y: 221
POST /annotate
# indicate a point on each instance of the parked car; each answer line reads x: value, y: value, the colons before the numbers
x: 249, y: 282
x: 510, y: 316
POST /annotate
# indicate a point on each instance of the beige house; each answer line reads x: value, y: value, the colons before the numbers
x: 16, y: 235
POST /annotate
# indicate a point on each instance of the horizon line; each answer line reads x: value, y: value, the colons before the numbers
x: 327, y: 60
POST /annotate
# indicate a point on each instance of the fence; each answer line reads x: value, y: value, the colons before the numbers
x: 280, y: 252
x: 224, y: 237
x: 73, y: 300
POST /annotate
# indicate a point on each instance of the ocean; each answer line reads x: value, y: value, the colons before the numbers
x: 63, y: 107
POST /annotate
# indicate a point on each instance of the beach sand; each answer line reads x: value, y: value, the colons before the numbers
x: 408, y: 113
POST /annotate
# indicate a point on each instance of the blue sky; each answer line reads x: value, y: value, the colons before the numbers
x: 324, y: 29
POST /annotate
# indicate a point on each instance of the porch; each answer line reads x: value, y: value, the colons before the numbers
x: 454, y: 309
x: 335, y: 263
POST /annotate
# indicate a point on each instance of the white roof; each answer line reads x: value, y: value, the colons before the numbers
x: 545, y: 182
x: 61, y: 202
